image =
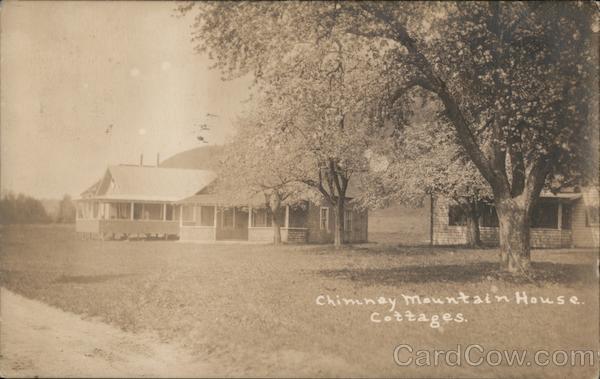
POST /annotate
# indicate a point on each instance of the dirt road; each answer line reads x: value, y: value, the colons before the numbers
x: 39, y: 340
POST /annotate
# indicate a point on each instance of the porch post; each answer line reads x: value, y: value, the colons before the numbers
x: 181, y: 215
x: 215, y: 222
x: 560, y: 222
x: 249, y: 216
x: 164, y: 212
x: 194, y: 212
x: 287, y: 216
x: 559, y: 215
x: 131, y: 213
x: 233, y: 217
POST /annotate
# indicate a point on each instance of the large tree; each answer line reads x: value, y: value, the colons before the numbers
x: 316, y: 97
x: 515, y: 79
x: 514, y: 83
x: 258, y: 166
x: 321, y: 139
x: 424, y: 159
x: 66, y: 210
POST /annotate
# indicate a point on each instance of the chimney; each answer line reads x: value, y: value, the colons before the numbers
x: 141, y: 160
x: 157, y: 159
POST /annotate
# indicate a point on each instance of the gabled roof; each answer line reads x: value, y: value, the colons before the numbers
x: 91, y: 191
x: 143, y: 183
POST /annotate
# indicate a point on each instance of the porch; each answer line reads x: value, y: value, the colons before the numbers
x: 200, y: 221
x: 111, y: 219
x: 552, y: 222
x: 293, y: 228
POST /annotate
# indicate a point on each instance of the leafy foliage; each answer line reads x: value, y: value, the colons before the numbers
x: 421, y: 160
x: 22, y: 209
x: 256, y: 164
x: 66, y: 210
x: 516, y: 81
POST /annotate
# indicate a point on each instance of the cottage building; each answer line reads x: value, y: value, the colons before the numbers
x: 143, y: 201
x: 137, y: 200
x: 559, y: 220
x: 568, y: 219
x: 210, y: 217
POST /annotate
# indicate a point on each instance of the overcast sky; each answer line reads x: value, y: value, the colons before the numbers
x: 69, y: 70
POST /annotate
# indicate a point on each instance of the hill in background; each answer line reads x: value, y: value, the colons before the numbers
x: 201, y: 158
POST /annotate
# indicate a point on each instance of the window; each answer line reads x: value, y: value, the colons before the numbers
x: 137, y: 211
x: 566, y: 216
x: 456, y: 215
x: 207, y: 215
x: 152, y: 211
x: 324, y: 218
x: 123, y: 211
x: 348, y: 220
x: 592, y: 215
x: 261, y: 218
x: 169, y: 215
x: 488, y: 215
x: 187, y: 213
x: 545, y: 214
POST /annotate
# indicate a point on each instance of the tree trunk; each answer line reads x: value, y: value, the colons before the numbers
x: 514, y: 234
x: 473, y: 232
x: 338, y: 236
x: 276, y: 230
x: 274, y: 204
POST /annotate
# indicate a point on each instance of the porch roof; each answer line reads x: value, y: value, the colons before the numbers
x: 136, y: 198
x: 561, y: 195
x: 220, y: 199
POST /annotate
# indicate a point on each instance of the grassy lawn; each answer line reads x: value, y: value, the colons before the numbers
x: 251, y: 309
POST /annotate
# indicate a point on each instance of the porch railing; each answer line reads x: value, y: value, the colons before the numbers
x: 127, y: 226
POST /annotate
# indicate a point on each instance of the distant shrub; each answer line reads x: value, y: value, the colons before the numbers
x: 66, y: 211
x: 22, y: 209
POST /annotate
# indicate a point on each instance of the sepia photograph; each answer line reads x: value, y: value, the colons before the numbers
x: 294, y: 189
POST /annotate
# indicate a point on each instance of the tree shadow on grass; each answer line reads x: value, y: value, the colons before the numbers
x: 393, y: 250
x: 87, y: 279
x: 540, y: 273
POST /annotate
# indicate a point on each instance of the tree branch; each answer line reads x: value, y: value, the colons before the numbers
x: 517, y: 162
x: 438, y: 86
x: 537, y: 177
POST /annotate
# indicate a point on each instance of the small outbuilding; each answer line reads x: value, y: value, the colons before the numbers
x: 565, y: 219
